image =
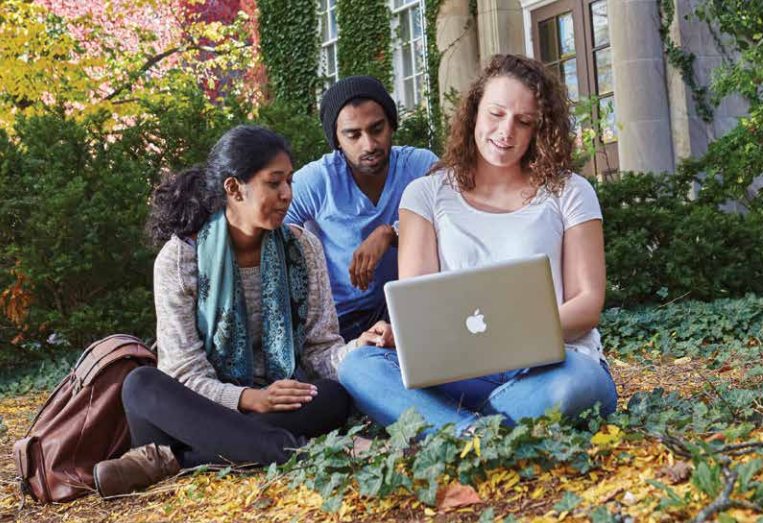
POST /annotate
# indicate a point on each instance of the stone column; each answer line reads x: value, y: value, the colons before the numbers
x: 500, y: 24
x: 457, y: 41
x: 641, y: 98
x: 691, y: 135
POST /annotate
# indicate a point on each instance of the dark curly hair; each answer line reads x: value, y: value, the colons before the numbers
x: 184, y: 201
x: 549, y: 156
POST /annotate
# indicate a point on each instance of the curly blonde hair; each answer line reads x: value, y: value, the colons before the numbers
x: 549, y: 156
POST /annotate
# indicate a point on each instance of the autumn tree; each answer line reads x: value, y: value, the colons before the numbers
x: 96, y: 101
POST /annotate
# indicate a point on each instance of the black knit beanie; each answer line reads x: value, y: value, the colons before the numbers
x: 348, y: 89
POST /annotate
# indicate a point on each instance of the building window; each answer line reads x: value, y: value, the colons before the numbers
x: 572, y: 38
x: 328, y: 67
x: 409, y: 57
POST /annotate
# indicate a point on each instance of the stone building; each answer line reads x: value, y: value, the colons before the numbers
x: 608, y: 48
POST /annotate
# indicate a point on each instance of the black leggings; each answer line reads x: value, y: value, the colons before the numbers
x: 161, y: 410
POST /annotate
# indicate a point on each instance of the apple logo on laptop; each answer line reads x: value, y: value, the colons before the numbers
x: 476, y: 322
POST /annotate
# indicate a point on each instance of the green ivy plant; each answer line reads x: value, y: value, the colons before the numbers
x: 731, y: 167
x: 403, y: 458
x: 364, y: 45
x: 437, y: 123
x: 290, y: 48
x: 682, y: 60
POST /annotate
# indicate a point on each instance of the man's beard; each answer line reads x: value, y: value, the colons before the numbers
x: 370, y: 170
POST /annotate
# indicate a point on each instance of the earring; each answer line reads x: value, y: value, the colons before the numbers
x: 239, y: 197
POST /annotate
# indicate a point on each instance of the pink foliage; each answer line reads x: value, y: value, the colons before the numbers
x: 225, y: 11
x: 159, y: 19
x: 165, y: 19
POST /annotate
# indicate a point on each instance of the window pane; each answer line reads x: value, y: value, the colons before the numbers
x: 322, y: 5
x: 604, y: 81
x: 331, y: 50
x: 332, y: 3
x: 407, y: 60
x: 600, y: 23
x: 549, y: 49
x: 323, y: 63
x: 418, y: 47
x: 409, y: 96
x: 419, y: 88
x: 333, y: 23
x: 324, y: 28
x: 566, y: 35
x: 577, y: 128
x: 405, y: 28
x: 416, y: 19
x: 608, y: 119
x: 570, y: 78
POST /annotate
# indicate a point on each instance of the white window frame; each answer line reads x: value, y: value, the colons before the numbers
x: 397, y: 65
x: 528, y: 6
x: 328, y: 46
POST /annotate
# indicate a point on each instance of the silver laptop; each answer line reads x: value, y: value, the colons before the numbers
x: 462, y: 324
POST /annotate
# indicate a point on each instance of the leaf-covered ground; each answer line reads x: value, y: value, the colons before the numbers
x: 685, y: 445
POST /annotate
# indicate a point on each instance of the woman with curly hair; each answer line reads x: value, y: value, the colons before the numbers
x: 247, y: 333
x: 503, y: 189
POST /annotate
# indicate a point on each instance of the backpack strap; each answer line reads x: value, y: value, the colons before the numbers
x: 103, y: 353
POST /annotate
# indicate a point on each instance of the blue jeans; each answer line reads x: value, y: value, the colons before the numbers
x: 372, y: 377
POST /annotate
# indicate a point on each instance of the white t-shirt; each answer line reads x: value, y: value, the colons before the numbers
x: 468, y: 237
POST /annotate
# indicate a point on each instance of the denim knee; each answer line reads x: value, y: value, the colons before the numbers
x: 582, y: 386
x: 354, y: 366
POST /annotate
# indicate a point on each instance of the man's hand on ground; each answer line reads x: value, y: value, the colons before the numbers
x: 367, y: 256
x: 380, y: 335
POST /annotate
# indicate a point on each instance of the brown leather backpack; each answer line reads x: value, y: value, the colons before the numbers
x: 82, y: 422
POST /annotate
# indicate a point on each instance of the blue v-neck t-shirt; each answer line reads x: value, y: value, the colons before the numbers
x: 328, y: 202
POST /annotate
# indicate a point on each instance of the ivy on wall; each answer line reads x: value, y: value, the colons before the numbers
x: 682, y: 60
x: 364, y: 45
x: 437, y: 123
x: 290, y: 50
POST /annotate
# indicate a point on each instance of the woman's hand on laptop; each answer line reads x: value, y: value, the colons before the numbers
x: 380, y: 335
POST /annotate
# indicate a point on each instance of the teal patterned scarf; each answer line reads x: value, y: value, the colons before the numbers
x: 221, y: 311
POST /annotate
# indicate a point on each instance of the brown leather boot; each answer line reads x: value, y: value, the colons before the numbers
x: 138, y: 468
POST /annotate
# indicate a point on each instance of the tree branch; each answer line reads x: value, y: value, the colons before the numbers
x: 722, y: 501
x: 154, y: 60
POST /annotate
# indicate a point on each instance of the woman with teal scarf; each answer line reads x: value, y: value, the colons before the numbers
x: 247, y: 333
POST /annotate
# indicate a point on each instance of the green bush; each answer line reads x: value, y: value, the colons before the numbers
x: 304, y: 132
x: 414, y: 130
x: 70, y: 220
x: 662, y: 245
x: 75, y: 200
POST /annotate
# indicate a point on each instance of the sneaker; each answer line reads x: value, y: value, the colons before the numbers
x: 139, y: 468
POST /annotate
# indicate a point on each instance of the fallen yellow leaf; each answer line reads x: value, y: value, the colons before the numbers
x: 612, y: 436
x: 467, y: 448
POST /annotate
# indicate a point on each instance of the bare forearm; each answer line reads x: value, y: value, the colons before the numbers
x: 579, y: 315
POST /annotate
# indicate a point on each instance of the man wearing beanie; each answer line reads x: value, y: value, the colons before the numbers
x: 350, y: 197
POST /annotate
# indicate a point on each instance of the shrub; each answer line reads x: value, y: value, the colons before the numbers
x: 662, y: 245
x: 304, y: 131
x: 75, y: 200
x: 414, y: 130
x: 70, y: 222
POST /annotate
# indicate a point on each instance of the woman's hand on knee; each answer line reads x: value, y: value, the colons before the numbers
x: 281, y: 395
x: 380, y: 335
